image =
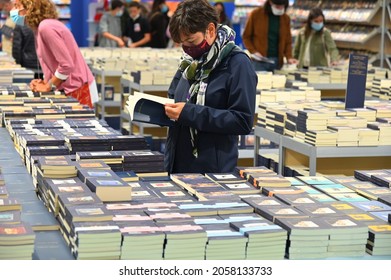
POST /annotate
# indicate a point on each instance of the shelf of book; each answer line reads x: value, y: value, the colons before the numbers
x: 261, y: 132
x: 101, y: 76
x: 356, y: 25
x: 292, y: 152
x: 314, y: 153
x: 330, y: 90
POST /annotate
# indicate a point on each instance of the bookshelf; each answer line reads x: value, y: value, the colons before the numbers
x: 101, y: 76
x: 292, y: 152
x: 64, y: 11
x: 359, y: 26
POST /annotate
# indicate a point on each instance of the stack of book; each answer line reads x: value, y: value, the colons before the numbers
x: 50, y: 189
x: 201, y: 187
x: 127, y: 142
x: 312, y: 120
x: 266, y: 240
x: 379, y: 240
x: 307, y: 237
x: 95, y: 247
x: 369, y: 190
x: 144, y: 162
x: 142, y: 239
x: 224, y: 242
x: 179, y: 229
x: 56, y: 167
x: 95, y: 241
x: 233, y: 182
x: 108, y: 186
x: 16, y: 241
x: 348, y: 237
x: 368, y: 114
x: 169, y: 191
x: 384, y: 132
x: 321, y: 138
x: 264, y: 80
x: 112, y: 158
x: 346, y: 136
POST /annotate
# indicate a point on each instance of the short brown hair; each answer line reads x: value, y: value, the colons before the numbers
x: 190, y: 17
x: 38, y: 10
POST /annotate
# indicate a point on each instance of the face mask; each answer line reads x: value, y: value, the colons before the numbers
x: 164, y: 9
x: 119, y: 13
x: 19, y: 20
x: 277, y: 12
x: 197, y: 51
x: 316, y: 26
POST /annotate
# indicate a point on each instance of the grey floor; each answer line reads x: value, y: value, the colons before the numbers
x: 49, y: 245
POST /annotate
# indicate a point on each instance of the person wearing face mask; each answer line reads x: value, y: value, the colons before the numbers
x: 214, y: 91
x: 223, y: 18
x: 314, y: 45
x: 7, y: 29
x: 62, y: 63
x: 158, y: 21
x: 137, y: 30
x: 110, y: 33
x: 267, y: 34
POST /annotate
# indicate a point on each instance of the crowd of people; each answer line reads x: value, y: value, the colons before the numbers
x: 214, y: 88
x: 267, y: 33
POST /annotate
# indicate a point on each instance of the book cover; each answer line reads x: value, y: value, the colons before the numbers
x: 85, y: 173
x: 87, y: 213
x: 148, y: 108
x: 371, y: 206
x: 357, y: 77
x: 272, y: 213
x: 10, y: 217
x: 304, y: 226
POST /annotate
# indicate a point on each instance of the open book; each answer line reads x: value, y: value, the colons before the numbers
x: 261, y: 58
x: 148, y: 108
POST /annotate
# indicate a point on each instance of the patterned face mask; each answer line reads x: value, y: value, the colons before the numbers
x: 197, y: 51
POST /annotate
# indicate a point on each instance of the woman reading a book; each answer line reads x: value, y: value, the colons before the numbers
x: 214, y: 91
x: 62, y: 63
x: 314, y: 45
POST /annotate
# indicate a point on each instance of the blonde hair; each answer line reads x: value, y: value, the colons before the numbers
x: 38, y: 10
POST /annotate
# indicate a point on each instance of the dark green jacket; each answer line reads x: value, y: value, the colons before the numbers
x: 322, y: 45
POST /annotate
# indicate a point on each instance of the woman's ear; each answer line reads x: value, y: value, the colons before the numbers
x: 211, y: 30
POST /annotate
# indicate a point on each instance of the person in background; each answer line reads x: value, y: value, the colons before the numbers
x: 7, y: 30
x: 158, y: 20
x: 214, y: 91
x: 62, y: 63
x: 137, y: 31
x: 110, y: 33
x: 23, y: 49
x: 223, y: 18
x: 314, y: 45
x: 268, y: 34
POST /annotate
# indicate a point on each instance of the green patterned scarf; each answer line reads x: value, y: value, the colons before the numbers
x: 197, y: 70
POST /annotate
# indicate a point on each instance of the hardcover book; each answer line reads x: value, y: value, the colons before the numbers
x: 148, y: 108
x: 113, y: 189
x: 83, y: 174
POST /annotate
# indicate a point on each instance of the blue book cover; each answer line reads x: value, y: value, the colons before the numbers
x: 357, y: 77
